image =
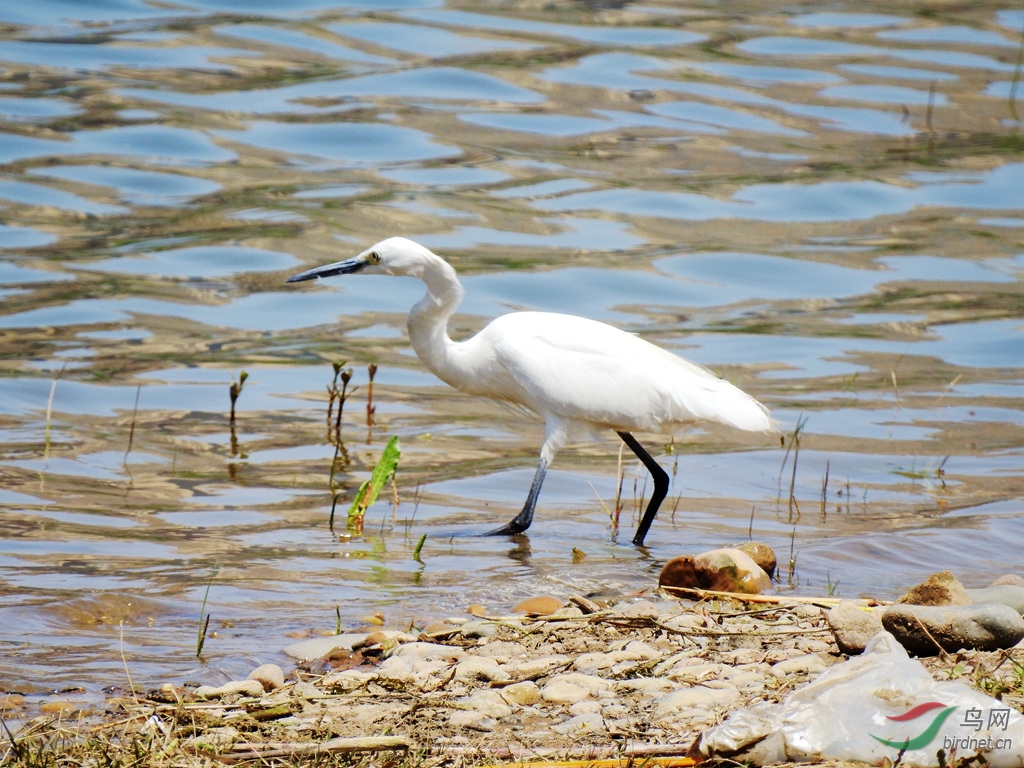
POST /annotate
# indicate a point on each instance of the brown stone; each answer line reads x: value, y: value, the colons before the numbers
x: 761, y: 554
x: 721, y: 570
x: 542, y: 605
x: 940, y: 588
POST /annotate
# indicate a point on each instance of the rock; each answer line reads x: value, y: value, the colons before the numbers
x: 479, y: 668
x: 684, y: 698
x: 433, y: 651
x: 722, y: 570
x: 853, y: 625
x: 587, y: 721
x: 940, y: 588
x: 60, y: 708
x: 242, y: 687
x: 525, y: 694
x: 488, y: 702
x: 477, y: 610
x: 1006, y: 594
x: 761, y: 554
x: 439, y: 627
x: 388, y: 638
x: 543, y: 605
x: 640, y: 609
x: 1009, y: 578
x: 649, y: 686
x: 983, y: 627
x: 270, y: 676
x: 585, y: 706
x: 305, y: 690
x: 810, y: 663
x: 572, y: 687
x: 537, y: 667
x: 468, y: 718
x: 319, y: 647
x: 477, y: 629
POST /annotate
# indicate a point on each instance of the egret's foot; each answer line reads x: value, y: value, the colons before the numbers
x: 511, y: 529
x: 518, y: 524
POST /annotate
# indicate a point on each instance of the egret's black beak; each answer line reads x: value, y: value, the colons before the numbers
x: 328, y: 270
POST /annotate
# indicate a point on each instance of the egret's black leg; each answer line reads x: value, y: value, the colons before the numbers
x: 660, y: 477
x: 522, y: 521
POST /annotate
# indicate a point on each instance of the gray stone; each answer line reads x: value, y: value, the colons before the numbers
x: 983, y: 627
x: 1006, y: 594
x: 319, y: 647
x: 853, y: 625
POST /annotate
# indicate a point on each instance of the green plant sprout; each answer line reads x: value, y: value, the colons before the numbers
x: 370, y: 489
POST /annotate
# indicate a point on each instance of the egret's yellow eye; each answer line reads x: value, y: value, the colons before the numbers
x: 374, y: 258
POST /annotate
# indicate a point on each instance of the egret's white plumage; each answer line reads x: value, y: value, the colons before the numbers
x: 579, y: 375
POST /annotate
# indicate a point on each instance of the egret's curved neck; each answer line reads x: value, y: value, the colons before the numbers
x: 428, y: 319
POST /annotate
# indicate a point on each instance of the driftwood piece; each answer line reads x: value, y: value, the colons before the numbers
x: 276, y: 750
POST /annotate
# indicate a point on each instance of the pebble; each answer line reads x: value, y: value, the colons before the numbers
x: 852, y: 625
x: 810, y: 663
x: 477, y: 721
x: 270, y: 676
x: 319, y: 647
x: 525, y: 694
x: 636, y: 610
x: 983, y: 627
x: 489, y: 702
x: 723, y: 570
x: 476, y: 629
x: 479, y: 668
x: 684, y: 699
x: 59, y: 707
x: 587, y: 721
x: 543, y: 605
x: 761, y: 554
x: 572, y: 687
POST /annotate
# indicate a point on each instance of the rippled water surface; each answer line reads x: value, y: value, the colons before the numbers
x: 826, y: 207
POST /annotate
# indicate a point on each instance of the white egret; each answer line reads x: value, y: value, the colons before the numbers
x: 579, y: 375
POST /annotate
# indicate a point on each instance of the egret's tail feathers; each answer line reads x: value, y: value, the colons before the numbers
x: 750, y: 416
x: 721, y: 402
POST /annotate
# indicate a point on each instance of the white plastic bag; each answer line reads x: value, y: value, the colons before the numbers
x: 867, y: 709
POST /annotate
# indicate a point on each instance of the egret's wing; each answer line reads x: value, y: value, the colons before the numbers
x: 591, y: 372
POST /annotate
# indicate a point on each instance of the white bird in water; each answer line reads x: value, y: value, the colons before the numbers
x: 579, y: 375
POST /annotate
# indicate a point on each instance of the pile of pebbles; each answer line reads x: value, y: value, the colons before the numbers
x: 650, y: 671
x: 579, y: 678
x: 640, y: 676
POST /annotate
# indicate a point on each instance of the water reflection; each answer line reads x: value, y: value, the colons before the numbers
x: 823, y: 207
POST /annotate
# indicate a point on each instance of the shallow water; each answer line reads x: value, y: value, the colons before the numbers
x: 825, y: 207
